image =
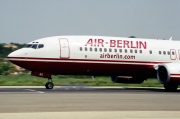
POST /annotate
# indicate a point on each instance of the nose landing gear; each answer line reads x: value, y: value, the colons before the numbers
x: 49, y: 84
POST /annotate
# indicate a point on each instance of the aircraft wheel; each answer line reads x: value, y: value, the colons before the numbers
x: 171, y: 87
x: 49, y: 85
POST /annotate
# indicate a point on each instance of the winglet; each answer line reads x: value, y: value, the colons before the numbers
x: 170, y: 39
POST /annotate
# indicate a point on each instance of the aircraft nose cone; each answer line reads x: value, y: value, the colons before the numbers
x: 10, y: 55
x: 16, y: 53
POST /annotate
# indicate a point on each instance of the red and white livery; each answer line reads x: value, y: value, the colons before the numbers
x: 125, y: 60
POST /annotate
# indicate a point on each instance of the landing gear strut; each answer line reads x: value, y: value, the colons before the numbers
x: 171, y: 87
x: 49, y: 84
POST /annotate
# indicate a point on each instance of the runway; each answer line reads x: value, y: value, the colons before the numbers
x: 104, y: 102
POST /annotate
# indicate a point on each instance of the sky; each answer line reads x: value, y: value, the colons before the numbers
x: 22, y: 21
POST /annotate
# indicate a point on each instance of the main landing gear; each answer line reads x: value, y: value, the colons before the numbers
x: 49, y: 84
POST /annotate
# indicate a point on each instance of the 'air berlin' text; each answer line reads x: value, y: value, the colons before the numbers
x: 117, y: 43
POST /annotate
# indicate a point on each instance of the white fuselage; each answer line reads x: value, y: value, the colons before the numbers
x: 97, y: 55
x: 112, y: 48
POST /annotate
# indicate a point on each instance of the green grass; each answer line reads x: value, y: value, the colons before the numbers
x: 28, y: 80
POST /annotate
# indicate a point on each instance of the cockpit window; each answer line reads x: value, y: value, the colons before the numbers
x: 34, y: 46
x: 40, y: 46
x: 28, y: 46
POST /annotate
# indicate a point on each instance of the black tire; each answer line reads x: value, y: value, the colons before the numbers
x: 171, y: 87
x: 49, y: 85
x: 46, y: 85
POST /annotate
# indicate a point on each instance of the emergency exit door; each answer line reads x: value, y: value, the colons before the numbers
x: 64, y: 48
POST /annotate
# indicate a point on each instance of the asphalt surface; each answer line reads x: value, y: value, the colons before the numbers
x: 88, y: 102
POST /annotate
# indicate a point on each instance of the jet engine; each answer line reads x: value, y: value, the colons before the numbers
x: 127, y: 79
x: 169, y: 73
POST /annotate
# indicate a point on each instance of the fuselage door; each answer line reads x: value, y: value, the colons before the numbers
x: 173, y: 55
x: 64, y: 48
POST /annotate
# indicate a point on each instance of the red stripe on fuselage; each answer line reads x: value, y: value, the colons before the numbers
x: 63, y: 59
x: 81, y: 67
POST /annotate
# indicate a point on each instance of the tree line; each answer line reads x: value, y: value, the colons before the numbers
x: 5, y: 66
x: 4, y: 51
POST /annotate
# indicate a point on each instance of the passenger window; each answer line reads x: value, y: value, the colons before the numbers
x: 168, y: 52
x: 164, y: 52
x: 115, y: 50
x: 90, y: 49
x: 110, y: 50
x: 131, y: 51
x: 120, y: 50
x: 172, y: 53
x: 34, y: 46
x: 100, y: 49
x: 95, y: 49
x: 150, y: 52
x: 85, y: 48
x: 40, y: 46
x: 135, y: 51
x: 160, y: 52
x: 140, y: 51
x: 125, y: 50
x: 80, y: 48
x: 105, y: 50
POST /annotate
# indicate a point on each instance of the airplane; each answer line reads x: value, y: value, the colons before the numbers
x: 125, y: 60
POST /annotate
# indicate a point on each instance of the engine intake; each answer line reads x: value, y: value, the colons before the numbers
x: 169, y: 73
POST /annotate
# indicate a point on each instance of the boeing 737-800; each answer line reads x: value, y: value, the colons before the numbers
x: 125, y: 60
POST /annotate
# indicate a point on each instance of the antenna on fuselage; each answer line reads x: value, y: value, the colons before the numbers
x: 170, y: 39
